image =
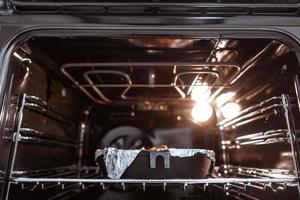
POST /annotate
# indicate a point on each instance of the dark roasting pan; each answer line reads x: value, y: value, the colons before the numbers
x: 162, y: 165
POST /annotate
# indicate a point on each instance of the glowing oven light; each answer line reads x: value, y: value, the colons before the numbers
x: 202, y: 111
x: 201, y: 92
x: 223, y: 98
x: 230, y: 110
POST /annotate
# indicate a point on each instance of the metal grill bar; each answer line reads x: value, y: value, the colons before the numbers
x: 254, y: 110
x: 156, y: 181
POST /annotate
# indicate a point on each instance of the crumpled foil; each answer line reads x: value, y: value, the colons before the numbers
x: 118, y: 160
x: 191, y: 152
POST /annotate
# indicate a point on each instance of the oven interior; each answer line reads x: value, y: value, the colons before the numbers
x: 68, y: 96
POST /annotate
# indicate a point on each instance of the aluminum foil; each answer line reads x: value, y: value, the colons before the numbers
x: 118, y: 160
x: 191, y: 152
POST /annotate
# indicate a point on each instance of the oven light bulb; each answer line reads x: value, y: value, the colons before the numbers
x: 200, y: 92
x: 202, y: 111
x: 223, y: 98
x: 230, y: 110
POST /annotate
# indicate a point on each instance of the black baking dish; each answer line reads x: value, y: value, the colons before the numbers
x: 165, y: 166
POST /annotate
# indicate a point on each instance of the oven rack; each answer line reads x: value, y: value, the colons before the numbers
x: 259, y: 138
x: 271, y: 106
x: 23, y: 139
x: 236, y: 194
x: 43, y: 172
x: 153, y: 181
x: 251, y: 172
x: 34, y: 136
x: 63, y: 177
x: 246, y: 172
x: 36, y: 104
x: 63, y: 191
x: 67, y: 172
x: 104, y: 183
x: 60, y: 172
x: 90, y: 177
x: 230, y: 186
x: 255, y: 112
x: 27, y: 135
